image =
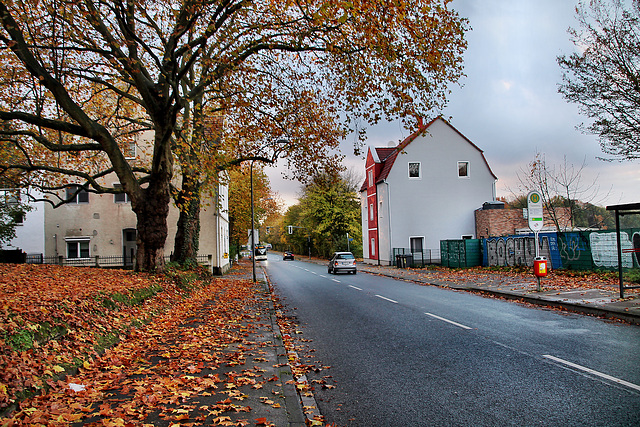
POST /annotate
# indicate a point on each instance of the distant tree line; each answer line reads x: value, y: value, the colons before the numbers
x: 327, y: 211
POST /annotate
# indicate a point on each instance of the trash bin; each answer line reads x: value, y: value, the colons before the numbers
x: 540, y: 266
x: 404, y: 260
x: 408, y: 261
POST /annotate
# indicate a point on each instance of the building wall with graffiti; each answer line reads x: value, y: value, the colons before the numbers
x: 519, y: 250
x: 592, y: 250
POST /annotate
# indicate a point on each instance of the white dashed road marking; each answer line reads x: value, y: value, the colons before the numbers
x: 592, y: 372
x: 460, y: 325
x: 387, y: 299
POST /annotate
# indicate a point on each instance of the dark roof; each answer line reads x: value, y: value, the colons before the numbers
x: 625, y: 207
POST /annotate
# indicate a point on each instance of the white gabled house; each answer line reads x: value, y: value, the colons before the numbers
x: 422, y: 191
x: 30, y: 225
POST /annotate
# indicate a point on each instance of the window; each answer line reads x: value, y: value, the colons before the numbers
x: 78, y: 248
x: 373, y: 246
x: 12, y: 197
x: 463, y: 169
x: 121, y: 197
x: 414, y: 170
x: 370, y: 178
x: 371, y: 216
x: 129, y: 149
x: 417, y: 243
x: 18, y: 217
x: 81, y: 197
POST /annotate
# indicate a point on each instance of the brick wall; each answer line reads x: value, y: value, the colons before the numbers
x: 504, y: 222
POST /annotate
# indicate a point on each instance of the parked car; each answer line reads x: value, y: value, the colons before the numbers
x: 287, y: 255
x: 342, y: 261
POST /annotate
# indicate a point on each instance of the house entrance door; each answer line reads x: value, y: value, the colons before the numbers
x: 128, y: 246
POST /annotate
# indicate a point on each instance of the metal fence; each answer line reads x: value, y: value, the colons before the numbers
x: 100, y: 261
x: 404, y: 257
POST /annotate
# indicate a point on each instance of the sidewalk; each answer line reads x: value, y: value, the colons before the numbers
x: 572, y: 293
x: 217, y: 357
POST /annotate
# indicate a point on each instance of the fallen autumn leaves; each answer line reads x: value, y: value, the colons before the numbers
x: 189, y: 365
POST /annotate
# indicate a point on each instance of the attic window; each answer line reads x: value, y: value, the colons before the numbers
x: 463, y: 169
x: 370, y: 178
x: 414, y: 170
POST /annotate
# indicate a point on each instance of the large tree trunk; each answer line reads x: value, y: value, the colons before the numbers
x: 152, y: 209
x: 188, y: 233
x: 152, y: 227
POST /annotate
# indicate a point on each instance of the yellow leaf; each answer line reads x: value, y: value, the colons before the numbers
x: 58, y: 369
x: 86, y: 365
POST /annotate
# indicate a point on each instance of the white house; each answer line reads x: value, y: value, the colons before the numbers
x: 422, y: 191
x: 29, y: 226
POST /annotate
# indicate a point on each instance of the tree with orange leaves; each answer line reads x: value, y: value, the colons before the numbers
x: 82, y: 80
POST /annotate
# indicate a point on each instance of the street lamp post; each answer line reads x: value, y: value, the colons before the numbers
x: 253, y: 242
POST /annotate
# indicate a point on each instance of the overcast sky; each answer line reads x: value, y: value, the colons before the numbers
x: 509, y: 105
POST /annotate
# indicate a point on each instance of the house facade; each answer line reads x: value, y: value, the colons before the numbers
x: 29, y: 226
x: 422, y: 191
x: 102, y: 226
x: 100, y: 229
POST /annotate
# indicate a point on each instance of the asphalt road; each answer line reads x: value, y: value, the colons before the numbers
x: 408, y: 355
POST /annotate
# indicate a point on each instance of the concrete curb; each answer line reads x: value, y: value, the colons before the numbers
x: 301, y: 409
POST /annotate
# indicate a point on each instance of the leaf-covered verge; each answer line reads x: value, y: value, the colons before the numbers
x: 188, y: 364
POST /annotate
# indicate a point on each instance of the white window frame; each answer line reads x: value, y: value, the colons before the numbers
x: 120, y: 195
x: 12, y: 196
x: 370, y: 177
x: 371, y: 216
x: 419, y: 170
x: 130, y: 149
x: 468, y: 167
x: 76, y: 199
x: 78, y: 241
x: 373, y: 246
x: 419, y: 238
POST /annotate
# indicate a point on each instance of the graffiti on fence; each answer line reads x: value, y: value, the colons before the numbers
x: 516, y: 250
x: 583, y: 250
x: 572, y: 246
x: 604, y: 249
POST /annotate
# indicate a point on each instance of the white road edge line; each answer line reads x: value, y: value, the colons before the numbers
x: 355, y: 287
x: 387, y: 299
x: 336, y: 280
x: 591, y: 371
x: 460, y: 325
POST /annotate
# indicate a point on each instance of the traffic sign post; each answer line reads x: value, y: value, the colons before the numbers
x: 536, y: 222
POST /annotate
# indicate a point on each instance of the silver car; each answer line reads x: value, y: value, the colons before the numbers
x: 342, y: 261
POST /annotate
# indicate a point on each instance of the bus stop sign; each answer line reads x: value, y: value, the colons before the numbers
x: 534, y: 208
